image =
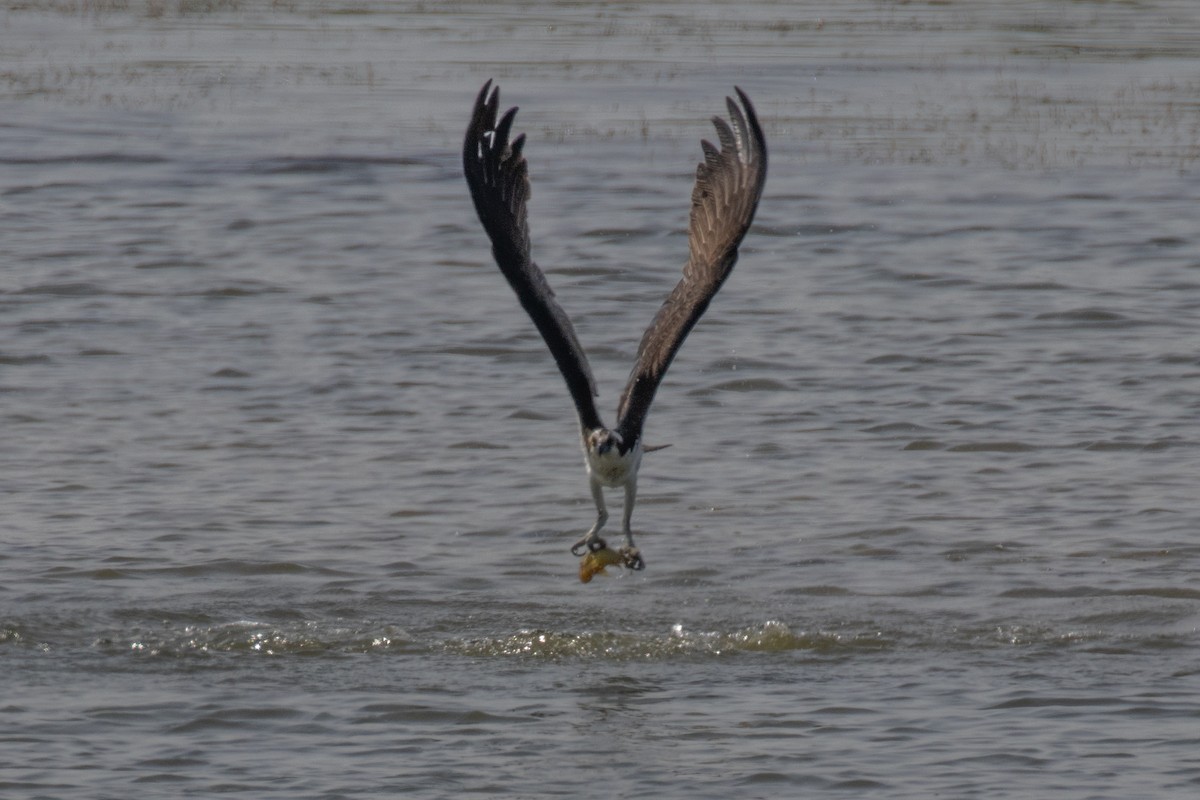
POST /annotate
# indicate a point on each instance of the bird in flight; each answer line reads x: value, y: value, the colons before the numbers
x: 729, y: 183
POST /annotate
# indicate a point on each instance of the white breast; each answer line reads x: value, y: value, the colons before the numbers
x: 613, y: 469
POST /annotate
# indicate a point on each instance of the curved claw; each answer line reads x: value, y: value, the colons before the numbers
x: 632, y: 558
x: 588, y: 543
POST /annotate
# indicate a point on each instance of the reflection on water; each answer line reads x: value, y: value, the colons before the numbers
x: 290, y: 480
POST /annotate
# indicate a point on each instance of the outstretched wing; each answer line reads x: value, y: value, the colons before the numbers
x: 499, y: 181
x: 729, y: 183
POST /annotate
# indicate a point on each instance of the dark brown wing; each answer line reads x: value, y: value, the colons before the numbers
x: 729, y: 183
x: 499, y: 181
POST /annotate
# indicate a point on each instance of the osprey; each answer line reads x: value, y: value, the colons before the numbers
x: 729, y: 183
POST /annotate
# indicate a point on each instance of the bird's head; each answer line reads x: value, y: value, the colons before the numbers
x: 602, y: 440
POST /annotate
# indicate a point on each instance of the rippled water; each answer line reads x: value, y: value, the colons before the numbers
x: 289, y: 480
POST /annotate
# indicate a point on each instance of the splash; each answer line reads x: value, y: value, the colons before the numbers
x: 259, y: 638
x: 771, y: 636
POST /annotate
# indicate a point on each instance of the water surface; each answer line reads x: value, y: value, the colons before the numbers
x: 289, y: 480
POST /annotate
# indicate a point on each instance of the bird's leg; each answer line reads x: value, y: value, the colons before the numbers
x: 591, y: 540
x: 632, y: 556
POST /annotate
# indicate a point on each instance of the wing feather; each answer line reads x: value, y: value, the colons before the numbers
x: 498, y: 177
x: 729, y: 183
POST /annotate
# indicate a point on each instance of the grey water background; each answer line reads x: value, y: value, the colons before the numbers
x: 289, y: 480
